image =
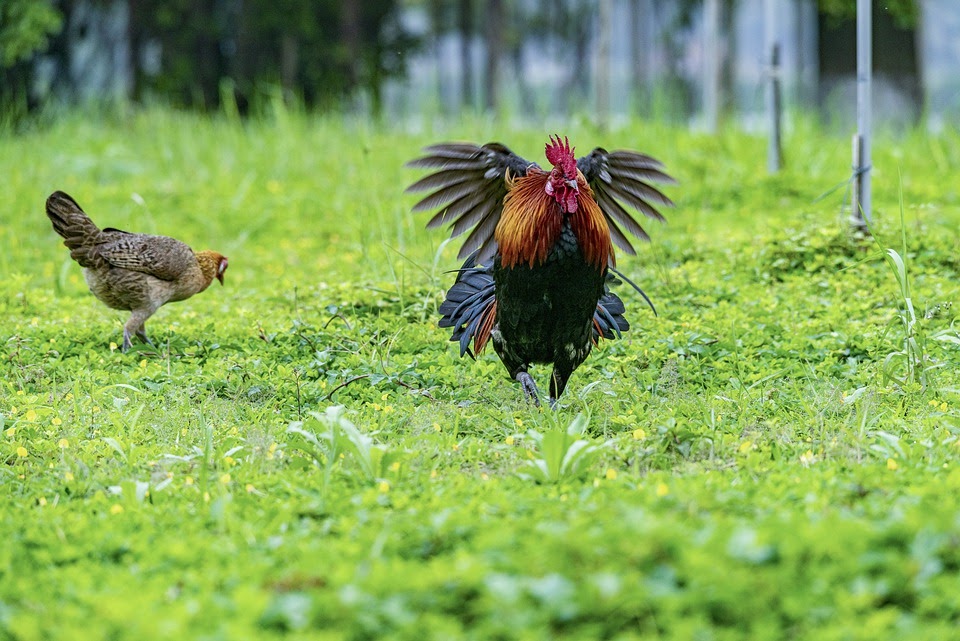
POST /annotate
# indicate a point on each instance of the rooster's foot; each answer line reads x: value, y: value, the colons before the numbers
x: 529, y: 387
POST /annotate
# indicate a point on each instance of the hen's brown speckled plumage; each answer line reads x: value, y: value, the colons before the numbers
x: 134, y: 272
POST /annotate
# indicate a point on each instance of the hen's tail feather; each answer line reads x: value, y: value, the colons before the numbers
x: 76, y: 228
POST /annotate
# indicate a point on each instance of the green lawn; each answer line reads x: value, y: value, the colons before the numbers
x: 775, y: 456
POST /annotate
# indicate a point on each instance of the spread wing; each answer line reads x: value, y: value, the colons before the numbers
x: 621, y: 178
x: 158, y: 256
x: 468, y: 189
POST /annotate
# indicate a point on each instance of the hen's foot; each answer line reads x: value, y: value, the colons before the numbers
x: 142, y: 335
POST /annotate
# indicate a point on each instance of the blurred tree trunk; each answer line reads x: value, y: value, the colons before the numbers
x: 603, y: 63
x: 206, y: 53
x: 465, y: 18
x: 576, y: 39
x: 641, y: 52
x: 437, y: 24
x: 350, y: 37
x: 494, y: 37
x: 135, y: 38
x: 289, y: 63
x: 712, y: 63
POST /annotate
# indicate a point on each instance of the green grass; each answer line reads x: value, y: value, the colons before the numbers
x: 756, y: 462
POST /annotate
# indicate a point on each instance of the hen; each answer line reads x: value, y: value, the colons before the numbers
x: 540, y: 256
x: 133, y: 272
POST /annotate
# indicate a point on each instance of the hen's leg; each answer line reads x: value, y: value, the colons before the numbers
x: 134, y: 327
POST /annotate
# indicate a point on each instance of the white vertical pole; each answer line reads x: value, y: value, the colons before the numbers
x: 862, y: 164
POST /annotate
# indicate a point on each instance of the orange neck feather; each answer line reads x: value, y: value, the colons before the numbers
x: 531, y: 223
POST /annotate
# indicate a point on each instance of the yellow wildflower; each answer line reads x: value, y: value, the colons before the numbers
x: 662, y: 489
x: 22, y: 452
x: 611, y: 474
x: 891, y: 464
x: 116, y: 508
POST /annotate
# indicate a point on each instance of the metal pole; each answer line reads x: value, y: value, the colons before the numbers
x: 862, y: 165
x: 772, y: 48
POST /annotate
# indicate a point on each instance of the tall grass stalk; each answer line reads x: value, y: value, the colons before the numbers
x: 912, y: 356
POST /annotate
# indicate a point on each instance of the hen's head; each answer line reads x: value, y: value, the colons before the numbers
x: 212, y: 264
x: 562, y: 183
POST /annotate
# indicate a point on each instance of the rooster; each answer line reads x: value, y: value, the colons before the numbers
x: 133, y: 272
x: 540, y: 256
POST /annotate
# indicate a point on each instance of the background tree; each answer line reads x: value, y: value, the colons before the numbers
x: 25, y: 28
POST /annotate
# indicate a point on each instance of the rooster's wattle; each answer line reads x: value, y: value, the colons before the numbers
x: 540, y: 256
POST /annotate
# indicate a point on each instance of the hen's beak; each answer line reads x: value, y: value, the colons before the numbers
x: 221, y: 269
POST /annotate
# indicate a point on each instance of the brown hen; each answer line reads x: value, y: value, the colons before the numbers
x: 133, y: 272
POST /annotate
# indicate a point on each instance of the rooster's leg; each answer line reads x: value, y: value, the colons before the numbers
x: 528, y: 386
x: 558, y: 381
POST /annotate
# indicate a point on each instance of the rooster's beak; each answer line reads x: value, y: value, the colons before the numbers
x: 572, y: 184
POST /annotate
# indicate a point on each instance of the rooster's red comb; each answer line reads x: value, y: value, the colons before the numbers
x: 560, y: 154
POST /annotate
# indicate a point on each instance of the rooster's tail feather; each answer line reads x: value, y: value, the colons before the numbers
x: 470, y: 306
